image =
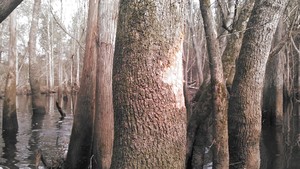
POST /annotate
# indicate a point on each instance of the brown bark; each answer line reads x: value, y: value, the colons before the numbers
x: 80, y: 146
x: 150, y: 117
x: 202, y: 101
x: 234, y: 44
x: 6, y: 7
x: 10, y: 122
x: 245, y: 101
x: 197, y: 133
x: 104, y: 121
x: 37, y: 104
x: 218, y: 89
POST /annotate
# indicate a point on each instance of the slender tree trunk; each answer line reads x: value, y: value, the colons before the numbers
x: 218, y: 89
x: 80, y: 146
x: 202, y: 108
x: 104, y: 121
x: 234, y: 44
x: 150, y: 117
x: 245, y: 101
x: 10, y: 122
x: 37, y: 104
x: 50, y: 49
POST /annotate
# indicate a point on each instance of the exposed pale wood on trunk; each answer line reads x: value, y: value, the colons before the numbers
x: 150, y: 117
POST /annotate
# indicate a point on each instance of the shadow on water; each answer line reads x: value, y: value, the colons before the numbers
x: 280, y: 146
x: 36, y: 131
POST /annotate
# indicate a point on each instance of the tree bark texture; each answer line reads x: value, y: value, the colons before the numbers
x: 80, y: 146
x: 6, y: 7
x: 202, y: 101
x: 104, y: 116
x: 218, y: 90
x: 273, y: 85
x: 10, y: 121
x: 150, y: 117
x: 245, y: 101
x: 234, y: 43
x: 197, y: 129
x: 37, y: 104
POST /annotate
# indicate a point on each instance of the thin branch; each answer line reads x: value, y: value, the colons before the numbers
x: 295, y: 46
x: 63, y: 29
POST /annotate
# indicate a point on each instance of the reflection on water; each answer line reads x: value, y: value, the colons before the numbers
x: 280, y: 147
x: 45, y: 132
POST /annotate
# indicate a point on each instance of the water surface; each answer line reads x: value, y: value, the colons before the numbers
x: 46, y: 132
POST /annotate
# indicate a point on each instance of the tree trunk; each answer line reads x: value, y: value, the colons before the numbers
x: 6, y: 7
x: 80, y: 146
x: 218, y: 89
x: 202, y: 107
x: 234, y: 44
x: 10, y: 122
x: 37, y: 104
x: 273, y: 86
x: 150, y: 117
x: 104, y: 121
x: 50, y: 49
x: 245, y: 101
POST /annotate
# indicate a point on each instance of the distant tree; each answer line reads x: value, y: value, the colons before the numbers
x: 245, y: 99
x: 37, y: 104
x: 10, y: 122
x: 150, y: 116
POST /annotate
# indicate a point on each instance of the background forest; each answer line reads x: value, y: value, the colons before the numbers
x: 60, y: 40
x: 159, y: 84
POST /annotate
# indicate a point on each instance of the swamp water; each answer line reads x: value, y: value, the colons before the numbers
x: 46, y: 132
x: 280, y: 147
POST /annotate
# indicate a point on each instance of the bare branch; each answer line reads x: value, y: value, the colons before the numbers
x: 63, y: 29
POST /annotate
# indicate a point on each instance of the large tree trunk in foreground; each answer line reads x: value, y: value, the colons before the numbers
x: 34, y: 75
x: 79, y: 152
x: 218, y: 90
x: 104, y: 115
x: 7, y: 6
x: 10, y: 122
x: 150, y: 117
x: 245, y: 101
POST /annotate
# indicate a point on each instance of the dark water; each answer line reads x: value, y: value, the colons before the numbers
x: 46, y: 132
x: 280, y: 146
